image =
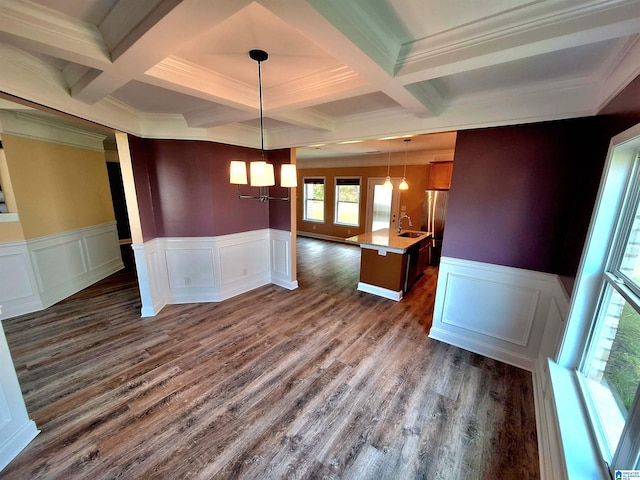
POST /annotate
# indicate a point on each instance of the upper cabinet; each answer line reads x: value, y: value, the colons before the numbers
x: 440, y: 175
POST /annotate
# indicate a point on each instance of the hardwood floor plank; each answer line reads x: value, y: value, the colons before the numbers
x: 320, y: 382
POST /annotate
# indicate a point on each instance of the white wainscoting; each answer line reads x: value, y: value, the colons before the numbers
x: 499, y: 312
x: 550, y: 450
x: 35, y: 274
x: 16, y: 429
x: 211, y: 269
x: 18, y: 287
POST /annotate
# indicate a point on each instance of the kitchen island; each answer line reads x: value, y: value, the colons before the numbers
x: 391, y: 262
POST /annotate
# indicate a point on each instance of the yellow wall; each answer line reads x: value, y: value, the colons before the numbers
x: 57, y: 188
x: 413, y: 198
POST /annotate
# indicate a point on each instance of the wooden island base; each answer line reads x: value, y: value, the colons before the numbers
x: 389, y: 263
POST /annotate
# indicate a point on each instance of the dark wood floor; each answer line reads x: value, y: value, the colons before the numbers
x: 320, y: 382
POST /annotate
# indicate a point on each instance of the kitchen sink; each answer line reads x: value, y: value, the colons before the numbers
x: 411, y: 234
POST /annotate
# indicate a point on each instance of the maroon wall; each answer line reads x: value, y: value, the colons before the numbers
x: 511, y: 192
x: 184, y: 191
x: 523, y: 195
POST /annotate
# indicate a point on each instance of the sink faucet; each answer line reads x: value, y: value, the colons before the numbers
x: 400, y: 222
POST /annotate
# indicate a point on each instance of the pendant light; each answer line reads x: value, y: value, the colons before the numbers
x: 261, y: 172
x: 403, y: 184
x: 387, y: 183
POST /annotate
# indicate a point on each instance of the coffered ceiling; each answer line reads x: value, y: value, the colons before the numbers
x: 337, y: 70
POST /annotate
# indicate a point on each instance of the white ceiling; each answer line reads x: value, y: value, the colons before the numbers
x: 337, y: 70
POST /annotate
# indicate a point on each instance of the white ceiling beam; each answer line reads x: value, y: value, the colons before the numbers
x: 316, y: 27
x: 307, y: 118
x: 155, y: 44
x: 523, y: 33
x: 36, y: 28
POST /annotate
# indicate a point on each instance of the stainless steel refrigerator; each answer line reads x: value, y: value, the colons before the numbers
x: 433, y: 220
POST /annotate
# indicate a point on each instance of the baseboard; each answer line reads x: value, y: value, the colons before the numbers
x: 379, y: 291
x: 485, y: 349
x: 13, y: 445
x: 319, y: 236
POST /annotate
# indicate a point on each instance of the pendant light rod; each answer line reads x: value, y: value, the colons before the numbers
x: 260, y: 56
x: 406, y: 152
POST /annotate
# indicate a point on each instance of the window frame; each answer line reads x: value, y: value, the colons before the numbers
x: 589, y: 288
x: 305, y: 182
x: 336, y: 202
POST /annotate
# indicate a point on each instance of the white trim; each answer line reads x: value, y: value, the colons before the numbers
x: 379, y: 291
x: 579, y: 446
x: 12, y: 446
x: 16, y: 429
x: 9, y: 217
x: 37, y: 127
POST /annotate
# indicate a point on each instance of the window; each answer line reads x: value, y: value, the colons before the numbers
x: 609, y: 369
x: 347, y: 210
x: 313, y: 199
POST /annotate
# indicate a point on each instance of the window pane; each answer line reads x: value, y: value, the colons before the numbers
x: 348, y: 204
x: 630, y: 262
x: 314, y: 202
x: 613, y: 369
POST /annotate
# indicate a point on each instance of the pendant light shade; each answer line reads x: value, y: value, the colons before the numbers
x: 288, y: 175
x: 261, y: 173
x: 238, y: 173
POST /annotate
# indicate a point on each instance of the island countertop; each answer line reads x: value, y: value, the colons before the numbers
x: 388, y: 239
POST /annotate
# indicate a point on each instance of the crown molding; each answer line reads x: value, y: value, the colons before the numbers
x: 35, y: 127
x: 204, y: 83
x: 619, y: 72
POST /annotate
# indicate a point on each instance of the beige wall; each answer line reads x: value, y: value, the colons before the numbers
x: 57, y: 188
x: 413, y: 198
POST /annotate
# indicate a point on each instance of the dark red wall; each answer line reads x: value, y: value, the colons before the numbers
x: 184, y: 190
x: 514, y: 189
x: 523, y: 195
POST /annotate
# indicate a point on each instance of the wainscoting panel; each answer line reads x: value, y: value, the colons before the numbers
x: 66, y: 263
x: 497, y: 311
x: 18, y: 287
x: 281, y: 259
x: 103, y: 248
x: 37, y: 273
x: 190, y: 267
x: 211, y: 269
x: 500, y: 310
x: 57, y: 261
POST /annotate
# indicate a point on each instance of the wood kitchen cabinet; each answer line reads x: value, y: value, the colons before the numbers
x: 440, y: 176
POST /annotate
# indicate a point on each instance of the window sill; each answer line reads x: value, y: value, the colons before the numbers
x: 580, y: 450
x: 9, y: 217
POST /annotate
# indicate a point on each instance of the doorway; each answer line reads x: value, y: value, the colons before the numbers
x: 382, y: 204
